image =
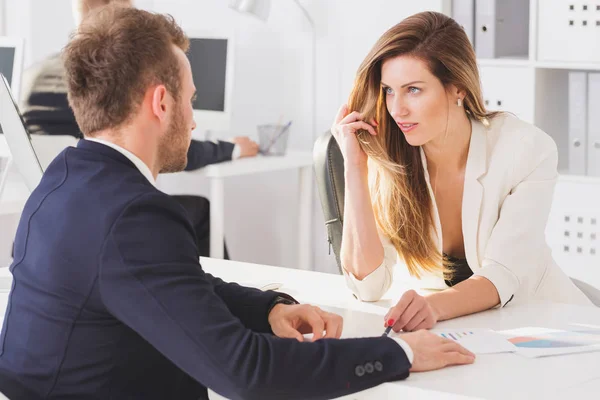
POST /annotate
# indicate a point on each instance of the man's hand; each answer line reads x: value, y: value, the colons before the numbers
x: 248, y: 148
x: 434, y: 352
x: 292, y: 321
x: 413, y: 312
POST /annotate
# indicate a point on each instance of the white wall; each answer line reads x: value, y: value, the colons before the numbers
x: 272, y: 80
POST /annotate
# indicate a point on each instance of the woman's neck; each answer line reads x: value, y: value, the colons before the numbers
x: 450, y: 150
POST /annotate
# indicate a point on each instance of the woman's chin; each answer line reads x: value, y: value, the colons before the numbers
x: 414, y: 140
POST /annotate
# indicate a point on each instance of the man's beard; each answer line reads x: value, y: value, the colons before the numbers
x: 174, y: 145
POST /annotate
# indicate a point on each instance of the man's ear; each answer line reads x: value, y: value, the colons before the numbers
x: 160, y: 99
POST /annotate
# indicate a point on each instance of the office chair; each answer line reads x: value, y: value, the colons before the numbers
x: 329, y: 171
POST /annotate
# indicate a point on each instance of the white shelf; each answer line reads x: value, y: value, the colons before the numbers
x: 567, y: 65
x: 504, y: 62
x: 523, y: 62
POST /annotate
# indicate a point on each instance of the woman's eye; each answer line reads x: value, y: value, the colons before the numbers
x: 413, y: 89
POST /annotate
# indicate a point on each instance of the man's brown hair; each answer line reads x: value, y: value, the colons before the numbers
x: 85, y: 6
x: 113, y: 58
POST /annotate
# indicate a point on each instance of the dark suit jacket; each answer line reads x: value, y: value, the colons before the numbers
x: 46, y: 110
x: 109, y: 301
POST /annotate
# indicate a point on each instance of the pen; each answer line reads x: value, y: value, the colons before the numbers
x: 276, y: 137
x: 390, y: 323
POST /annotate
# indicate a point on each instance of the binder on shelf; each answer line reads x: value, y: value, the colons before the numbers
x: 463, y: 12
x: 593, y: 124
x: 502, y: 28
x: 577, y: 123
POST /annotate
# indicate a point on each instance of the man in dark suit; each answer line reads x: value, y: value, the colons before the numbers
x: 46, y: 111
x: 109, y: 299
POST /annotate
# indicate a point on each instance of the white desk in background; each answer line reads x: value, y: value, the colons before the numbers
x: 495, y: 376
x: 14, y: 195
x: 217, y: 173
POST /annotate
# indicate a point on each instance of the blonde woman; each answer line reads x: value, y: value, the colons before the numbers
x: 456, y: 194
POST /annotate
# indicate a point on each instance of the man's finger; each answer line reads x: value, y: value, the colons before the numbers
x: 454, y: 347
x: 456, y: 358
x: 316, y: 322
x: 332, y: 323
x: 340, y: 329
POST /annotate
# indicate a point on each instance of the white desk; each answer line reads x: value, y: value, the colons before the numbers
x: 217, y: 173
x: 500, y: 376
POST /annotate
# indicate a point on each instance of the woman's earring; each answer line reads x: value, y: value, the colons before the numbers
x: 459, y: 102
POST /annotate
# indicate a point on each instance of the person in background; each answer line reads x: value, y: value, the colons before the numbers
x: 457, y: 194
x: 109, y: 299
x: 46, y: 111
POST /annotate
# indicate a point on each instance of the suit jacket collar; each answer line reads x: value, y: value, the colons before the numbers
x: 105, y: 151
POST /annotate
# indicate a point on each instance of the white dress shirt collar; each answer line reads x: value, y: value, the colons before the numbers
x: 141, y: 166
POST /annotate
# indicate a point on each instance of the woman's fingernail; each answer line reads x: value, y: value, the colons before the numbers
x: 390, y: 322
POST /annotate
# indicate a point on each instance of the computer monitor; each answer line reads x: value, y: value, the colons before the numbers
x: 11, y: 62
x: 211, y: 59
x: 17, y: 138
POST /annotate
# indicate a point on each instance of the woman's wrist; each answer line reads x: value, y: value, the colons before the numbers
x: 355, y: 169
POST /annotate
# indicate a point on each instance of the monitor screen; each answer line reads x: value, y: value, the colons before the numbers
x: 7, y: 61
x: 208, y: 58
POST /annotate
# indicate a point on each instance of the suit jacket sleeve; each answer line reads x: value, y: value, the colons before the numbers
x: 250, y: 305
x: 150, y: 279
x: 203, y: 153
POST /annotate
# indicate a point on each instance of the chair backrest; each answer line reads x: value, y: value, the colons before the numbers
x: 329, y: 171
x: 573, y: 230
x: 590, y: 291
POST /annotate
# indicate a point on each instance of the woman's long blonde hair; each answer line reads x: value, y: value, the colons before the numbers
x: 400, y: 196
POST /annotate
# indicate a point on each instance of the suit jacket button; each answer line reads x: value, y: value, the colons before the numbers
x: 359, y: 370
x: 378, y: 366
x: 369, y: 368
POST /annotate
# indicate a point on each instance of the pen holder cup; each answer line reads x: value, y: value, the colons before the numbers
x: 272, y: 139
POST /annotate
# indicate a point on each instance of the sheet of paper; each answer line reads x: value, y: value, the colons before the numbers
x: 541, y: 342
x: 478, y: 341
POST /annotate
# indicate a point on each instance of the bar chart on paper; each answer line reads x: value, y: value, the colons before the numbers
x: 478, y: 341
x: 456, y: 335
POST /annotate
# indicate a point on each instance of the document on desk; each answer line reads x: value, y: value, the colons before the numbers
x: 478, y: 341
x: 535, y: 342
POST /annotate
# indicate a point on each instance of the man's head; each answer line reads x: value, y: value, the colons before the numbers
x: 129, y: 79
x: 81, y: 8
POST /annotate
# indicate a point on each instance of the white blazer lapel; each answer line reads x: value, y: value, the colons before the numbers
x: 473, y: 191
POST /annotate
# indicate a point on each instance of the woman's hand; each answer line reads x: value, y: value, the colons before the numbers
x: 413, y: 312
x: 344, y: 131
